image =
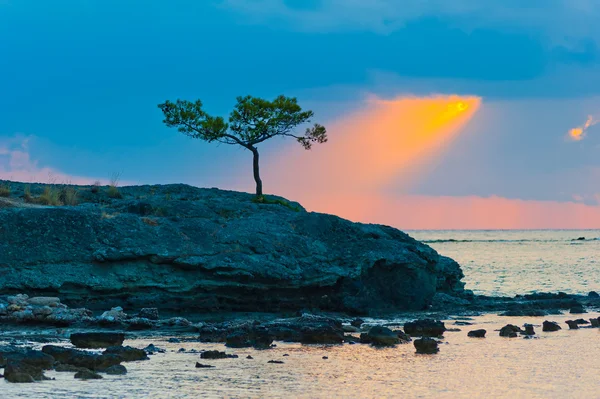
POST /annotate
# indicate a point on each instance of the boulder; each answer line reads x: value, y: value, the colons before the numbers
x: 477, y: 333
x: 126, y: 353
x: 49, y: 301
x: 30, y: 357
x: 20, y: 372
x: 510, y: 331
x: 595, y: 322
x: 203, y: 366
x: 426, y: 345
x: 88, y: 360
x: 528, y: 330
x: 577, y: 309
x: 96, y: 340
x: 214, y: 354
x: 425, y: 328
x: 357, y: 322
x: 86, y: 374
x: 380, y: 336
x: 215, y: 250
x: 593, y: 294
x: 573, y: 325
x: 550, y: 326
x: 139, y: 323
x: 149, y: 313
x: 117, y: 369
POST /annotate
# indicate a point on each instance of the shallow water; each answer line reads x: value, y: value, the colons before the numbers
x: 555, y: 365
x: 504, y: 262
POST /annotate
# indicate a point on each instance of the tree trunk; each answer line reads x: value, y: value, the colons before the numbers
x: 256, y: 169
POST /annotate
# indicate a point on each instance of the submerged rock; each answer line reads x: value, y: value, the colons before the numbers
x: 126, y: 353
x: 577, y: 309
x: 215, y: 354
x: 510, y: 331
x: 477, y: 333
x: 88, y: 360
x: 117, y: 369
x: 528, y: 330
x: 550, y: 326
x: 426, y: 345
x: 425, y: 328
x: 380, y: 336
x: 573, y: 325
x: 216, y: 250
x: 96, y: 340
x: 86, y: 374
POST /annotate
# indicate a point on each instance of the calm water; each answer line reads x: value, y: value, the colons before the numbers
x: 516, y: 262
x: 554, y: 365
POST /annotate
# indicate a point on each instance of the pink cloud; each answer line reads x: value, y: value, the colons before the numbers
x: 16, y: 164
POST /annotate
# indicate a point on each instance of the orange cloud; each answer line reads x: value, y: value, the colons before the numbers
x: 578, y: 133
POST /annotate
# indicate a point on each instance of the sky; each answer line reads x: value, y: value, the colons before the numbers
x: 464, y: 114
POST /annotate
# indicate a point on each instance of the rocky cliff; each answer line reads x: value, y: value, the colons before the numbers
x: 184, y: 248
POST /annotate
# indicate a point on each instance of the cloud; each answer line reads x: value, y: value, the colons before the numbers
x: 556, y: 18
x: 579, y: 133
x: 16, y: 164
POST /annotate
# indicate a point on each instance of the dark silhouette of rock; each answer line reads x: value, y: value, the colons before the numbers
x: 425, y: 328
x: 323, y: 261
x: 20, y: 372
x: 550, y: 326
x: 380, y: 336
x: 31, y: 357
x: 577, y: 309
x: 325, y: 358
x: 249, y: 357
x: 74, y: 357
x: 61, y: 367
x: 126, y: 353
x: 528, y: 330
x: 203, y: 366
x: 86, y: 374
x: 595, y: 322
x: 357, y: 322
x: 572, y: 324
x: 275, y: 361
x: 426, y: 345
x: 510, y: 331
x: 117, y: 369
x: 215, y: 354
x: 593, y: 294
x: 581, y: 321
x: 97, y: 340
x: 149, y: 313
x: 477, y: 333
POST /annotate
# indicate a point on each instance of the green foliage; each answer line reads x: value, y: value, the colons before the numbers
x: 96, y: 187
x: 4, y: 190
x: 263, y: 199
x: 252, y: 121
x: 113, y: 186
x: 27, y: 194
x: 50, y: 196
x: 68, y: 195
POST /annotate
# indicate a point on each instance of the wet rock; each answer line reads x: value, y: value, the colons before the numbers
x: 324, y: 358
x: 276, y: 361
x: 86, y: 374
x: 74, y: 357
x: 113, y: 316
x: 153, y: 349
x: 61, y: 368
x: 477, y: 333
x: 179, y: 322
x: 528, y: 330
x: 462, y: 323
x: 149, y: 313
x: 572, y: 324
x: 139, y: 323
x: 203, y: 366
x: 215, y: 354
x: 380, y: 336
x: 426, y: 345
x: 117, y: 369
x: 126, y: 353
x: 257, y: 338
x: 425, y: 328
x: 174, y: 340
x: 249, y: 357
x: 346, y: 328
x: 510, y: 331
x: 595, y: 322
x: 524, y: 312
x: 577, y: 309
x: 550, y: 326
x: 31, y: 357
x: 593, y: 294
x: 307, y: 329
x: 582, y: 321
x: 19, y: 372
x: 404, y: 337
x: 44, y: 301
x: 357, y: 323
x: 20, y: 300
x: 97, y: 340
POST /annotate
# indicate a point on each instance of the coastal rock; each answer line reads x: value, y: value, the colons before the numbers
x: 30, y: 357
x: 550, y: 326
x: 117, y: 369
x: 96, y: 340
x: 426, y: 345
x: 380, y: 336
x: 203, y: 366
x: 528, y: 330
x: 216, y: 355
x: 425, y: 328
x: 88, y: 360
x: 126, y: 353
x: 477, y: 333
x: 211, y: 249
x: 510, y: 331
x: 86, y: 374
x: 595, y: 322
x: 577, y: 309
x: 139, y: 323
x: 149, y: 313
x: 593, y: 294
x: 44, y: 301
x: 573, y: 325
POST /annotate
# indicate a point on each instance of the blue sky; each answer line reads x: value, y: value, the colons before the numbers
x: 81, y: 79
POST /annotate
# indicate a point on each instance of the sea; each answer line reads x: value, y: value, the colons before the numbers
x: 561, y: 364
